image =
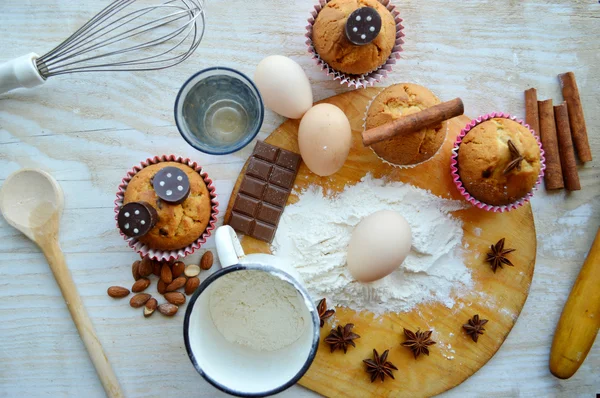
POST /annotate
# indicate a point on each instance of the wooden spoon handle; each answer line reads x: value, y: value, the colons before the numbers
x: 57, y: 263
x: 580, y: 319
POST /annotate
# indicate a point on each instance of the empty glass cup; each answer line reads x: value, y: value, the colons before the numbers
x: 219, y: 111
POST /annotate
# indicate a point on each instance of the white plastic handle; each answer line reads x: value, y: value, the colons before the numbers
x: 20, y: 72
x: 229, y: 248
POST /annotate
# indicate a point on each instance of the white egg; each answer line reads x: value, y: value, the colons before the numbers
x: 378, y: 246
x: 284, y: 86
x: 324, y: 138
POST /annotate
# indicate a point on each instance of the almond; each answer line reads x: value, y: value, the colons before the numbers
x: 168, y: 309
x: 192, y: 270
x: 139, y: 300
x: 140, y: 285
x: 150, y: 307
x: 207, y: 260
x: 177, y: 283
x: 117, y: 292
x: 135, y: 270
x: 175, y: 298
x: 161, y: 287
x: 191, y: 285
x: 178, y: 269
x: 146, y: 267
x: 156, y: 265
x: 165, y: 274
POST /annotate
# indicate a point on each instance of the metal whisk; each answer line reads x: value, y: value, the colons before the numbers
x: 127, y: 35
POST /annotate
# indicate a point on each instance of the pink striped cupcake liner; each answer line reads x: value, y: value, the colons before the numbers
x: 163, y: 255
x: 456, y: 176
x: 367, y: 79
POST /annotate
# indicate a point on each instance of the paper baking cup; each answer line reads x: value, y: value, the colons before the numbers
x: 401, y: 166
x: 162, y: 255
x: 456, y: 176
x: 367, y: 79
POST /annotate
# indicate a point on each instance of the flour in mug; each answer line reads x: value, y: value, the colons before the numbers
x: 258, y: 310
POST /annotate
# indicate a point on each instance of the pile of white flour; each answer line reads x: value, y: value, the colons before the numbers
x: 314, y: 234
x: 258, y: 310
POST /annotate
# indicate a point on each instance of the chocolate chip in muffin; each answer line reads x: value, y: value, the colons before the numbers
x: 487, y: 173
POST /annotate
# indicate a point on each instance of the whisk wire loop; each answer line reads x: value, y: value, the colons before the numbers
x: 161, y: 34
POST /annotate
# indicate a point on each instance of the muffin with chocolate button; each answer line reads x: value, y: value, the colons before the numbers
x: 166, y: 208
x: 355, y: 41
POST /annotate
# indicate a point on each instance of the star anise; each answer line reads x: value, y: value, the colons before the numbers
x: 475, y: 327
x: 341, y: 338
x: 418, y: 342
x: 515, y: 158
x: 324, y: 313
x: 379, y: 366
x: 497, y: 256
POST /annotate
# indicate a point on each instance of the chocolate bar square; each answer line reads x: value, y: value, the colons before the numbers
x: 246, y: 204
x: 259, y: 169
x: 275, y: 195
x: 289, y: 160
x: 268, y: 213
x: 242, y: 223
x: 253, y: 187
x: 265, y: 151
x: 282, y: 177
x: 264, y: 231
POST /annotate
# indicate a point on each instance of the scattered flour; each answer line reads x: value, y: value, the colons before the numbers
x: 258, y: 310
x: 568, y: 228
x: 314, y: 233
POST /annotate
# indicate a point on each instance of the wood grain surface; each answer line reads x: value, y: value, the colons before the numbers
x: 497, y: 297
x: 87, y: 130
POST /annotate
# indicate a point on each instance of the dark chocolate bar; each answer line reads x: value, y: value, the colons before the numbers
x: 264, y: 191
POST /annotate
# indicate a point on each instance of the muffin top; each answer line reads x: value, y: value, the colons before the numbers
x: 330, y: 42
x: 484, y: 157
x: 179, y: 225
x: 400, y: 100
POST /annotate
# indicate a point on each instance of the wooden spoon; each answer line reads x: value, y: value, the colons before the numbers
x: 580, y: 319
x: 32, y: 202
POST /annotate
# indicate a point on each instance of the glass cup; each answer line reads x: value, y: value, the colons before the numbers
x: 219, y: 111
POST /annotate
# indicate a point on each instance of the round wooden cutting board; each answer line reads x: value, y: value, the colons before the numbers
x: 498, y: 297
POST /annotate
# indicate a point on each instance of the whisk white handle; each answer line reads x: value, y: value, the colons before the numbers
x: 20, y: 72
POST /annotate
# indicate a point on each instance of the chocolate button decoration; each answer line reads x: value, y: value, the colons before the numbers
x: 171, y: 185
x: 136, y: 219
x: 363, y: 26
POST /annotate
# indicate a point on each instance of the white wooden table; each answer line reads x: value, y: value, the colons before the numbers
x: 88, y: 129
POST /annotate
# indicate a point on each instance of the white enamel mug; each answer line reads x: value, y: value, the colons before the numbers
x: 231, y: 367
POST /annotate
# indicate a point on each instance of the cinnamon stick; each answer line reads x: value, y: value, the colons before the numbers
x: 576, y: 120
x: 531, y: 110
x: 414, y: 122
x: 565, y: 147
x: 553, y: 177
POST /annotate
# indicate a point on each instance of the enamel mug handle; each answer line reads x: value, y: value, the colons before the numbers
x: 229, y: 248
x: 20, y: 72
